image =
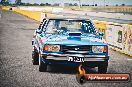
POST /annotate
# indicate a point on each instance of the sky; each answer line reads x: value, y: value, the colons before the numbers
x: 90, y: 2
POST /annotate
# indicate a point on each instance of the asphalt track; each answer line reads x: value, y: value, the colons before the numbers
x: 16, y: 69
x: 100, y: 16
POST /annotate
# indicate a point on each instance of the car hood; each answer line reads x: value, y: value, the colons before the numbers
x: 73, y: 40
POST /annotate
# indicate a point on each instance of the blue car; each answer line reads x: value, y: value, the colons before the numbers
x: 70, y: 42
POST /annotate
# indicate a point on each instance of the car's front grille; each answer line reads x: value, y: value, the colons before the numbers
x: 83, y: 48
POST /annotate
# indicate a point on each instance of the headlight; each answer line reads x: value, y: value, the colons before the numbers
x: 53, y: 48
x: 98, y: 49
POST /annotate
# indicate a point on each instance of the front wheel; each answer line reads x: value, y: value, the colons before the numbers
x: 35, y: 57
x: 103, y: 67
x: 42, y: 65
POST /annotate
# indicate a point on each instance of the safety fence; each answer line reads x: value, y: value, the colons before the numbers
x: 118, y: 36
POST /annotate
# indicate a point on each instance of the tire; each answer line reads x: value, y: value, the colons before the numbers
x: 42, y: 65
x: 35, y: 57
x: 103, y: 68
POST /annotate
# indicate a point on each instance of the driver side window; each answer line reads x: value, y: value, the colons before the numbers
x: 50, y: 27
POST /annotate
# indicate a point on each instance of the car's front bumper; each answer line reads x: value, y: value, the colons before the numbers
x: 89, y: 60
x: 86, y: 58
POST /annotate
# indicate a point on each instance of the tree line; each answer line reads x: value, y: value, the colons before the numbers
x: 19, y: 3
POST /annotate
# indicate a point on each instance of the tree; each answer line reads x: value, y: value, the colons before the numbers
x: 70, y: 4
x: 18, y: 2
x: 35, y: 4
x: 47, y: 4
x: 4, y: 2
x: 42, y: 4
x: 116, y: 4
x: 122, y: 4
x: 96, y: 5
x: 75, y: 4
x: 27, y: 4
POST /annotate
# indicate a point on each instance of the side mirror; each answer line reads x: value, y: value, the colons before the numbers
x: 39, y: 31
x: 101, y: 34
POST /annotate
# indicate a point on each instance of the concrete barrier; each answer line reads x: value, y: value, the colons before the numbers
x: 31, y: 14
x: 5, y: 8
x: 119, y: 37
x: 39, y: 14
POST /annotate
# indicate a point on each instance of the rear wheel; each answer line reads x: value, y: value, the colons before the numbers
x: 35, y: 57
x: 42, y: 65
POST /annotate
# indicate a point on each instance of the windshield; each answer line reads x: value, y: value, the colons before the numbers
x: 63, y: 26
